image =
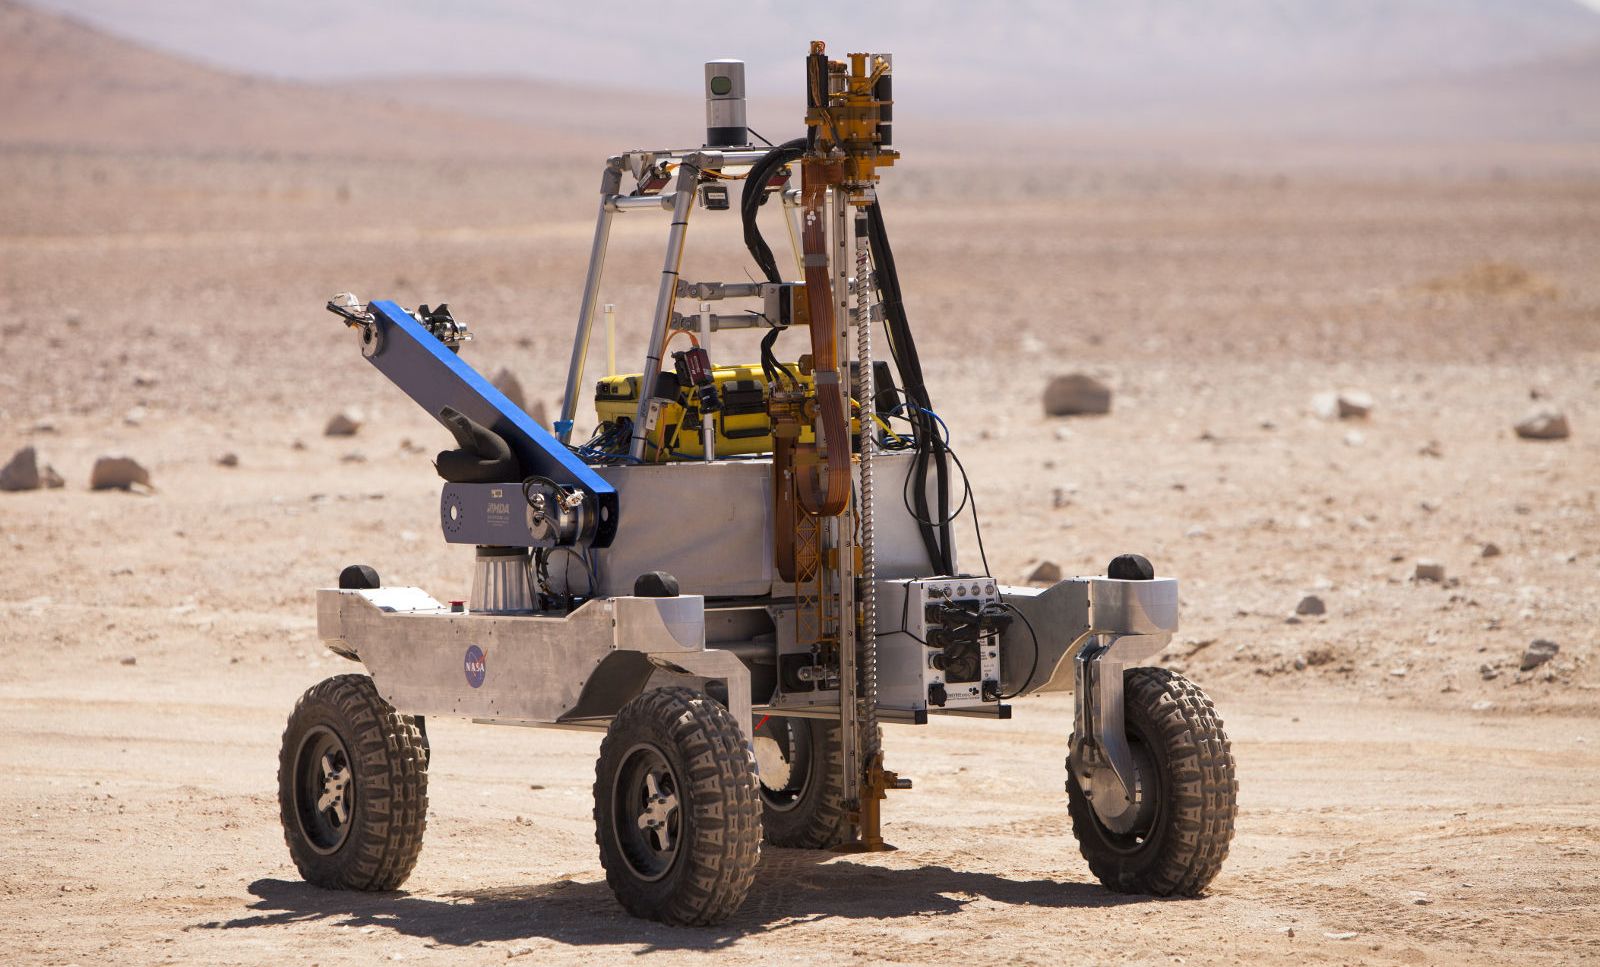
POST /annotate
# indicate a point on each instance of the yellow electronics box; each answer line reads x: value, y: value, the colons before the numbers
x: 742, y: 423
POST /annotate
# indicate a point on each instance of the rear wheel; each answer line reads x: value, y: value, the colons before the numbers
x: 352, y: 787
x: 677, y: 814
x: 801, y: 764
x: 1184, y: 760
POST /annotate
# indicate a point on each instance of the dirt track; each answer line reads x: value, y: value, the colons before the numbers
x: 141, y: 828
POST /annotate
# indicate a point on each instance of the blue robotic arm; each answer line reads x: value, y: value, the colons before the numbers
x: 430, y: 372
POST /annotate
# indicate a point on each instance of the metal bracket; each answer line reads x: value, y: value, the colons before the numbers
x: 1101, y: 758
x: 718, y: 663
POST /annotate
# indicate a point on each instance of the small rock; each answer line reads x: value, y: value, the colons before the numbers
x: 130, y: 660
x: 354, y: 456
x: 1342, y: 935
x: 1346, y: 404
x: 1293, y: 619
x: 1059, y: 498
x: 1075, y: 395
x: 506, y: 382
x: 1354, y: 438
x: 43, y: 426
x: 1429, y: 571
x: 22, y: 472
x: 1398, y: 671
x: 144, y: 380
x: 1539, y: 652
x: 1482, y: 705
x: 135, y: 416
x: 1433, y: 448
x: 1299, y: 663
x: 1544, y: 423
x: 345, y: 423
x: 298, y: 445
x: 1046, y: 572
x: 118, y: 473
x: 228, y: 460
x: 1490, y: 549
x: 1488, y: 672
x: 1310, y: 604
x: 51, y: 479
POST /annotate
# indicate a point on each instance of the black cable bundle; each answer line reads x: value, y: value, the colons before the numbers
x: 751, y: 199
x: 930, y: 449
x: 931, y: 454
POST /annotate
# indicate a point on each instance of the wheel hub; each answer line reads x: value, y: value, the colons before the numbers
x: 334, y: 779
x: 655, y: 819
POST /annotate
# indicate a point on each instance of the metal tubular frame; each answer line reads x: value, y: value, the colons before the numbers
x: 682, y: 204
x: 610, y: 185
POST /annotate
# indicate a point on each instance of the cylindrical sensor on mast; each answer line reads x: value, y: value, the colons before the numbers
x: 725, y: 118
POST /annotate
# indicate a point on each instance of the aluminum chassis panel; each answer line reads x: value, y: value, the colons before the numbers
x: 574, y: 669
x: 710, y: 526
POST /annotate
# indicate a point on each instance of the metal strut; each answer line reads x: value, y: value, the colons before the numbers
x: 875, y: 780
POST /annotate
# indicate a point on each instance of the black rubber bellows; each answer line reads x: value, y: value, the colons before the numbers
x: 483, y: 455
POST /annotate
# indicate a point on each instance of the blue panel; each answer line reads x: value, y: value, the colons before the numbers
x: 433, y: 376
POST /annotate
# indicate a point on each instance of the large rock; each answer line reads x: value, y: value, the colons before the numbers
x: 1538, y: 653
x: 1346, y: 404
x: 1047, y: 572
x: 1311, y: 604
x: 1076, y: 394
x: 118, y: 472
x: 344, y: 423
x: 1429, y: 571
x: 22, y: 472
x: 1544, y: 423
x: 506, y: 382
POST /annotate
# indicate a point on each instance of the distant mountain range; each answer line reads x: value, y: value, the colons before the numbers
x: 515, y: 79
x: 1051, y: 58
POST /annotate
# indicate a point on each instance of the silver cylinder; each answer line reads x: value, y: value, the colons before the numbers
x: 725, y: 109
x: 500, y: 581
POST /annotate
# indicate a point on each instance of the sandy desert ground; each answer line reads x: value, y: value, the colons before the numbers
x: 1407, y: 793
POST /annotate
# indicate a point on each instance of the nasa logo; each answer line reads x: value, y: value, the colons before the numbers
x: 475, y: 665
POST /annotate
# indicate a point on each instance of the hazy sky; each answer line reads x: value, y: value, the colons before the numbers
x: 1005, y: 56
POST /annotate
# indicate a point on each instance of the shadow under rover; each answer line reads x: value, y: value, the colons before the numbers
x: 791, y: 887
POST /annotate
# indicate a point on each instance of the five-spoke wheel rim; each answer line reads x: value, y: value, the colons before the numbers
x: 646, y: 812
x: 324, y: 789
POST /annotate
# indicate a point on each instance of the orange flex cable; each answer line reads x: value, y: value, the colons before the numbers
x: 832, y: 496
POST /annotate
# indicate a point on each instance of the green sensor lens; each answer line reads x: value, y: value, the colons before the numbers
x: 721, y: 84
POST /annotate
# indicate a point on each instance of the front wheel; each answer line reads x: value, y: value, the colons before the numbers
x: 677, y: 815
x: 352, y: 787
x: 1176, y: 738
